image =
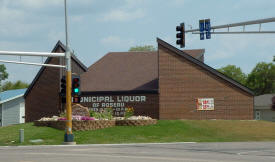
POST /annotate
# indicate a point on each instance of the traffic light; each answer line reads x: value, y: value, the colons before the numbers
x: 76, y: 89
x: 63, y: 86
x: 63, y: 89
x: 76, y: 99
x: 181, y: 35
x: 75, y: 85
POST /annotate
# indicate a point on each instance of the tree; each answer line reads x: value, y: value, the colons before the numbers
x: 17, y: 85
x: 262, y: 78
x: 3, y: 73
x: 142, y: 48
x: 234, y: 72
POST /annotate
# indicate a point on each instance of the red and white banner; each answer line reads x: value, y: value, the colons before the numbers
x: 205, y: 104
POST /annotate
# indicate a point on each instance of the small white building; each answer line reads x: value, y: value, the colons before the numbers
x: 262, y: 107
x: 12, y: 107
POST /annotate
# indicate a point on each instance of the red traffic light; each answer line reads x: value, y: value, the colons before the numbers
x: 76, y: 99
x: 75, y: 79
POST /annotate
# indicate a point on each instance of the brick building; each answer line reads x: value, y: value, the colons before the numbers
x: 42, y: 96
x: 166, y: 84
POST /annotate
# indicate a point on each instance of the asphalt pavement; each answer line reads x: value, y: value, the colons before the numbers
x: 191, y: 152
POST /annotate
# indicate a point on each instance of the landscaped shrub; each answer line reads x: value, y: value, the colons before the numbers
x: 105, y: 114
x: 129, y: 111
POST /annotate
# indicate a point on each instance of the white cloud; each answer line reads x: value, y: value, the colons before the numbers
x: 129, y: 11
x: 117, y: 42
x: 244, y: 51
x: 134, y: 3
x: 55, y: 35
x: 227, y: 47
x: 122, y: 15
x: 77, y: 18
x: 33, y: 3
x: 247, y: 4
x: 39, y: 4
x: 219, y: 54
x: 9, y: 15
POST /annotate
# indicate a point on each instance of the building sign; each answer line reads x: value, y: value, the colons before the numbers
x: 205, y: 104
x: 117, y: 103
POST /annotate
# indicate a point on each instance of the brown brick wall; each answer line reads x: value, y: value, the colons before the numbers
x: 43, y: 98
x: 181, y: 82
x: 148, y: 108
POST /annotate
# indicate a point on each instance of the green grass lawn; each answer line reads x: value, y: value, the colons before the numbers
x: 164, y: 131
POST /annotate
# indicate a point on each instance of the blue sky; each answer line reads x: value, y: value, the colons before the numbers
x: 97, y: 27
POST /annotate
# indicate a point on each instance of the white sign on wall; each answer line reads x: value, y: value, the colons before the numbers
x: 205, y: 104
x: 118, y: 103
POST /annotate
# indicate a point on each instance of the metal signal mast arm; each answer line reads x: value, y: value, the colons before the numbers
x: 259, y: 21
x: 44, y: 54
x: 41, y: 54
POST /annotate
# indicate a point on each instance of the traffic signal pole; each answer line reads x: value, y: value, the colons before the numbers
x: 206, y: 29
x: 68, y: 137
x: 243, y: 24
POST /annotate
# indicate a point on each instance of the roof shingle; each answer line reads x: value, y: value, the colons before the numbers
x: 125, y: 71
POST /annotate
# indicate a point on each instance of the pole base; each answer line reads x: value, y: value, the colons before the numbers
x: 68, y: 137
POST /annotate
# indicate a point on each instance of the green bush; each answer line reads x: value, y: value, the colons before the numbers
x: 92, y: 113
x: 129, y: 112
x: 105, y: 114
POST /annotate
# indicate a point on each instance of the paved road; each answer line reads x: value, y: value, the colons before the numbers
x: 191, y: 152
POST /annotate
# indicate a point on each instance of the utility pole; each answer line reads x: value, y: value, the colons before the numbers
x: 68, y: 137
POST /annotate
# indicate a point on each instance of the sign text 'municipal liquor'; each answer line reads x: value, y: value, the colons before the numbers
x: 112, y: 99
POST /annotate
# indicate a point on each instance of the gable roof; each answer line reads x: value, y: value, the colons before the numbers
x: 122, y: 71
x: 126, y: 71
x: 204, y: 66
x: 11, y: 94
x: 62, y: 46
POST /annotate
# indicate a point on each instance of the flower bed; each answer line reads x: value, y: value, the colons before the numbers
x: 91, y: 123
x: 78, y: 124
